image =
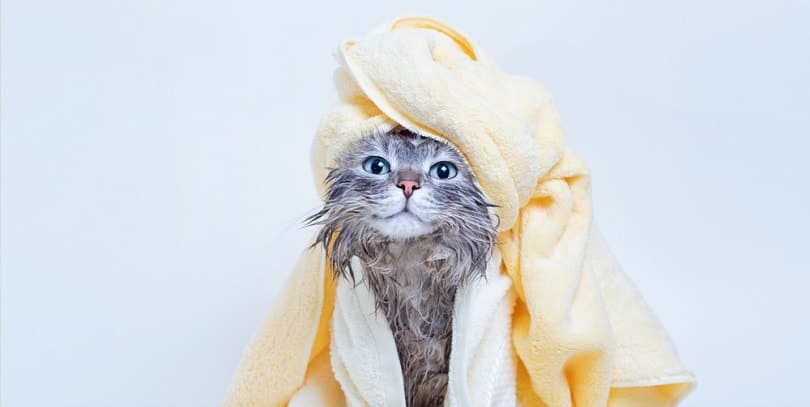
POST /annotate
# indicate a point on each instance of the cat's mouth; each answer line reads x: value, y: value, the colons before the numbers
x: 404, y: 213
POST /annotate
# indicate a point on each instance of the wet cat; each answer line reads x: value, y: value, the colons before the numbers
x: 411, y: 210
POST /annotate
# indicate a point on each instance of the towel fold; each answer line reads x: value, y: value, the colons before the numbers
x: 581, y: 333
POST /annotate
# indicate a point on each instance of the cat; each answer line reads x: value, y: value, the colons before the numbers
x: 410, y: 209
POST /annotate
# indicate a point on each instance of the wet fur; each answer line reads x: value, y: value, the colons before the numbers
x: 414, y: 279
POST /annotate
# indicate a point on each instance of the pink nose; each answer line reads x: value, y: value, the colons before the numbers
x: 408, y: 187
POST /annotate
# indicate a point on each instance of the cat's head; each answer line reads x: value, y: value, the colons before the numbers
x: 400, y: 186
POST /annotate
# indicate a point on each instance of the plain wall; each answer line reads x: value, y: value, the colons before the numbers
x: 155, y: 175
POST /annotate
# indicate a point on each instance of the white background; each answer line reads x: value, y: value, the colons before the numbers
x: 155, y: 175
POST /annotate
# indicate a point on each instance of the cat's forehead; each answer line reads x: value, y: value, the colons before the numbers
x: 412, y: 139
x: 404, y: 142
x: 416, y: 141
x: 413, y: 142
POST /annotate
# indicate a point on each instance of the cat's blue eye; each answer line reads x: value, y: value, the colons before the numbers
x: 376, y: 165
x: 443, y: 170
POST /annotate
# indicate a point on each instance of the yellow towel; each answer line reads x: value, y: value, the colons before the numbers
x: 582, y: 334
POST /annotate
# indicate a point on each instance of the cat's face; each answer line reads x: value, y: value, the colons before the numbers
x: 403, y: 186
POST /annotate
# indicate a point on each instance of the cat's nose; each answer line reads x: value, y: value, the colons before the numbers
x: 408, y: 187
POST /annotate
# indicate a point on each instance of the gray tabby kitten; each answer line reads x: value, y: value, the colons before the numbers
x: 410, y: 209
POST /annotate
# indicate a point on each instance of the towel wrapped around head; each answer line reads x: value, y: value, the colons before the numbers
x: 581, y: 334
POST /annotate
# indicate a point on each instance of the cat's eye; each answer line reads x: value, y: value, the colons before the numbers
x: 443, y: 170
x: 376, y: 165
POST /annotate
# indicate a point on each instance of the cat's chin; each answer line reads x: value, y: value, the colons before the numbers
x: 403, y: 225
